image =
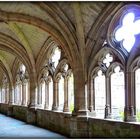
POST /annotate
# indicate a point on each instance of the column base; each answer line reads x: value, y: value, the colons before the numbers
x: 66, y: 110
x: 46, y: 106
x: 80, y: 113
x: 54, y: 108
x: 107, y: 112
x: 91, y: 109
x: 129, y: 114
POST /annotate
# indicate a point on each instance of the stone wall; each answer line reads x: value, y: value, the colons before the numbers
x: 3, y: 108
x: 20, y: 112
x: 74, y: 126
x: 55, y: 121
x: 112, y: 129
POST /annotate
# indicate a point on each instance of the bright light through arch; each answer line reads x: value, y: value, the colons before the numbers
x: 127, y: 31
x: 56, y: 56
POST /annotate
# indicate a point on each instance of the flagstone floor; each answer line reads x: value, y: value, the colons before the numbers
x: 12, y: 128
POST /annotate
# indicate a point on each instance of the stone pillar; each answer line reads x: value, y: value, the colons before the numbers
x: 24, y: 99
x: 91, y: 92
x: 129, y: 97
x: 108, y: 98
x: 33, y: 94
x: 66, y: 95
x: 20, y: 93
x: 11, y: 94
x: 7, y: 93
x: 40, y: 95
x: 31, y: 113
x: 47, y: 94
x: 11, y: 100
x: 80, y: 94
x: 15, y: 94
x: 5, y: 88
x: 55, y: 95
x: 91, y: 98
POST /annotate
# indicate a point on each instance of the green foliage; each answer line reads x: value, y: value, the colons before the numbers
x: 138, y: 116
x: 121, y: 115
x: 71, y: 107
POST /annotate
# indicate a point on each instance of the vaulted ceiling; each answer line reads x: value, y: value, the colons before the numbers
x: 25, y: 27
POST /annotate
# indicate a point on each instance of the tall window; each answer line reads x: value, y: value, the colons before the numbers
x: 21, y: 96
x: 71, y: 92
x: 50, y: 94
x: 99, y: 86
x: 56, y: 56
x: 117, y: 93
x: 18, y: 91
x: 61, y: 93
x: 42, y: 93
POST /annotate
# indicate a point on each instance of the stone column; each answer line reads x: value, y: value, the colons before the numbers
x: 40, y: 95
x: 129, y: 97
x: 20, y: 93
x: 11, y: 100
x: 15, y: 93
x: 91, y: 91
x: 11, y: 94
x: 80, y: 94
x: 108, y: 98
x: 91, y: 98
x: 47, y: 94
x: 55, y: 95
x: 66, y: 95
x: 24, y: 99
x: 7, y: 93
x: 31, y: 113
x: 5, y: 88
x: 33, y: 92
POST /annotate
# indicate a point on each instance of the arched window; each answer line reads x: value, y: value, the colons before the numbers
x: 50, y: 93
x: 18, y: 91
x: 56, y: 56
x: 117, y: 93
x: 21, y: 96
x: 99, y: 86
x: 41, y: 94
x: 61, y: 93
x: 71, y: 92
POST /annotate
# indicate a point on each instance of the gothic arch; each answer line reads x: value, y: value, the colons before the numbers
x: 62, y: 38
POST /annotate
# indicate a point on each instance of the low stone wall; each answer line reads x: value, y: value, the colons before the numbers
x: 112, y: 129
x: 20, y: 112
x: 3, y: 108
x: 73, y: 126
x: 55, y: 121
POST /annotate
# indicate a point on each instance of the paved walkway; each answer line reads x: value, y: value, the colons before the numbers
x: 12, y: 128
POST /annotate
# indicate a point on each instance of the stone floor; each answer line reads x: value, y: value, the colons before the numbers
x: 12, y: 128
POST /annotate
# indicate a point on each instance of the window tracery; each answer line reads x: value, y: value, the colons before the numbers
x: 21, y: 95
x: 59, y: 94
